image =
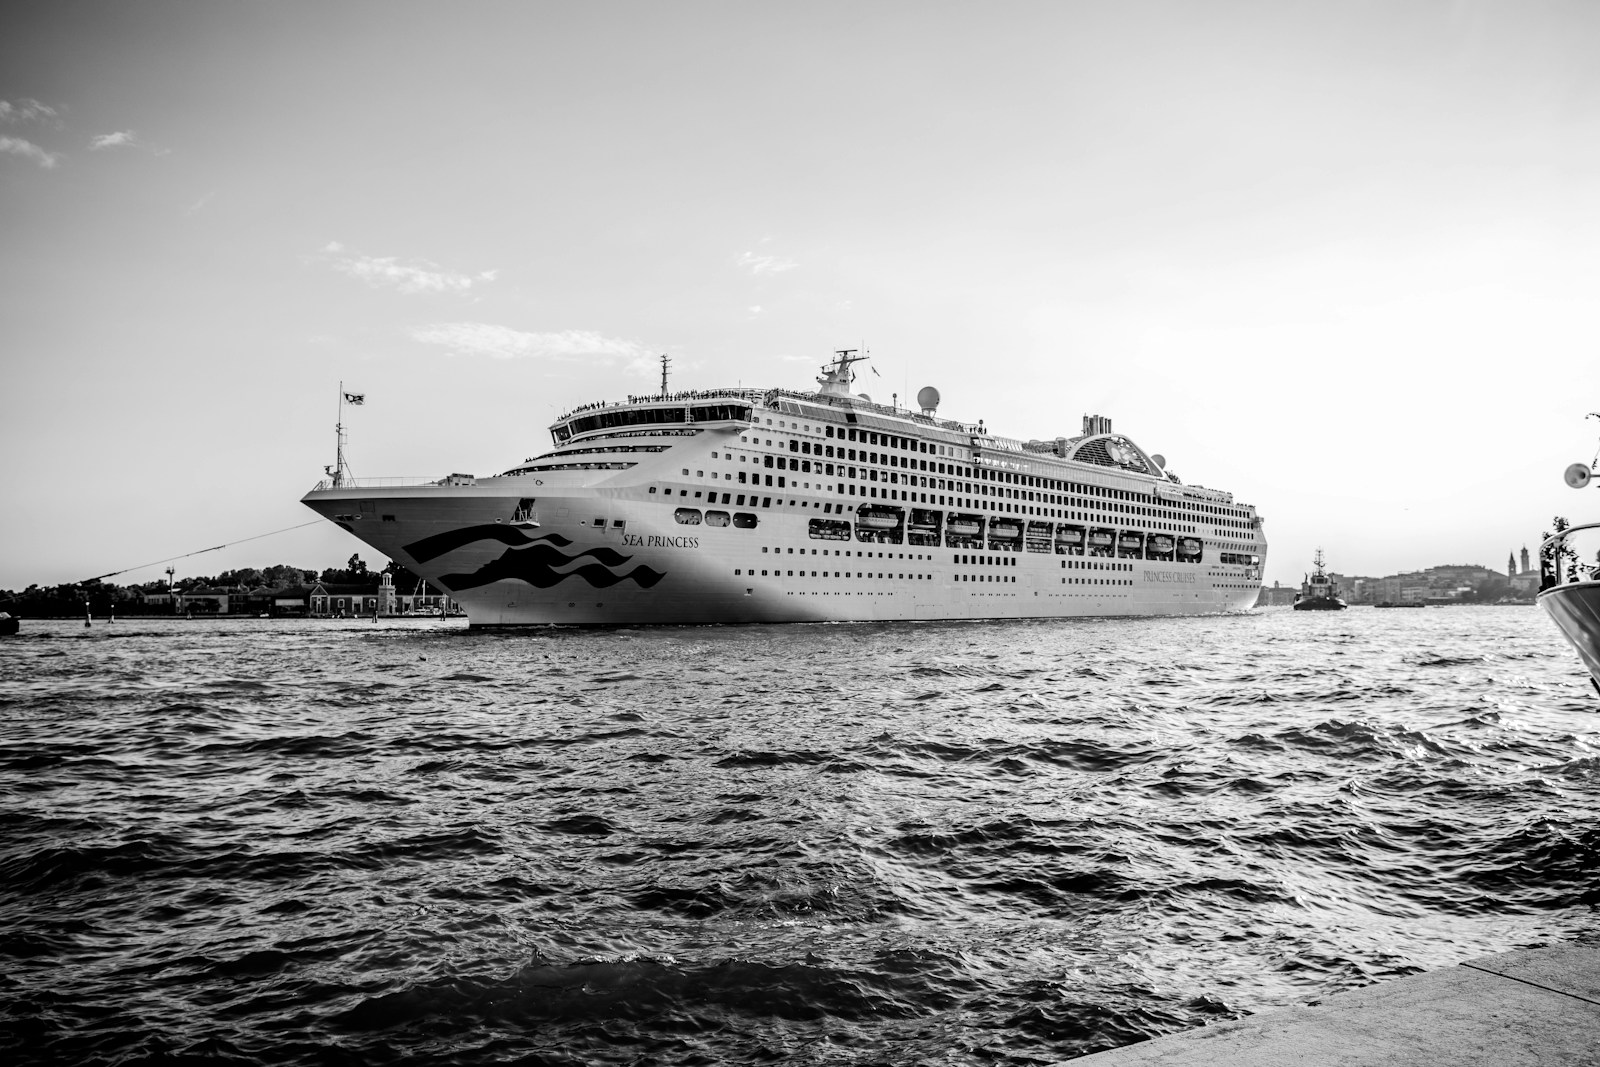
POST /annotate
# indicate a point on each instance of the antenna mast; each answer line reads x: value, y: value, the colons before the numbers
x: 338, y: 430
x: 339, y: 471
x: 664, y: 362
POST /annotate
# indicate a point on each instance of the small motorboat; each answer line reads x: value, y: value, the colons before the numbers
x: 1574, y: 603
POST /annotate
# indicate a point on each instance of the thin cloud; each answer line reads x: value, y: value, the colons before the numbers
x: 766, y: 264
x: 642, y: 365
x: 28, y: 150
x: 502, y: 342
x: 25, y: 110
x: 418, y: 276
x: 120, y: 139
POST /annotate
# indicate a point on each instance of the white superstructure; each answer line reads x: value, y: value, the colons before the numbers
x: 740, y: 505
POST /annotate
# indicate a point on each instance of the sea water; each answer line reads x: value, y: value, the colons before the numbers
x: 237, y: 841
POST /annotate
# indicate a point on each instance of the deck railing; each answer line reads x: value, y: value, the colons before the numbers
x: 1554, y: 550
x: 769, y: 397
x: 412, y: 481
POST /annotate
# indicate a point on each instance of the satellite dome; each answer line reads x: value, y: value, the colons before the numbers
x: 928, y: 398
x: 1160, y: 460
x: 864, y: 396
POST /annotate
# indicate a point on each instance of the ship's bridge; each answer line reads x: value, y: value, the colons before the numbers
x: 709, y: 410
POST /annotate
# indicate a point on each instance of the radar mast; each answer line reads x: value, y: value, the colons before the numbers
x: 836, y: 377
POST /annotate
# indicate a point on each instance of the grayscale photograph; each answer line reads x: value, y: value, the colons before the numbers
x: 879, y: 533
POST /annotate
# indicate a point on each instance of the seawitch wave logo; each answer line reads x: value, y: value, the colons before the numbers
x: 528, y: 559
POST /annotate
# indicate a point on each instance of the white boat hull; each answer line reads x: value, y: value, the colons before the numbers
x: 639, y: 566
x: 1575, y: 607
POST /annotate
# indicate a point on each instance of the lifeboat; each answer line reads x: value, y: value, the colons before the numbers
x: 1189, y: 547
x: 1069, y: 535
x: 1160, y: 543
x: 1005, y: 529
x: 878, y: 518
x: 830, y: 529
x: 1102, y: 538
x: 963, y: 526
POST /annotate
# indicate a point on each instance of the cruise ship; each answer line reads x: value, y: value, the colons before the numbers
x: 766, y: 506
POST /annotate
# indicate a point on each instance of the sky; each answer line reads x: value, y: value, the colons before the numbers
x: 1339, y: 259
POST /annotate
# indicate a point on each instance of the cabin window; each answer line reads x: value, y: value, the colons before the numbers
x: 743, y: 520
x: 687, y: 516
x: 716, y: 518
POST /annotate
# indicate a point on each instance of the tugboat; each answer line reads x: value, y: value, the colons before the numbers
x: 1319, y: 592
x: 1574, y: 603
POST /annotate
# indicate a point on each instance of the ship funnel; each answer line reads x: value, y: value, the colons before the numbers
x: 1577, y: 475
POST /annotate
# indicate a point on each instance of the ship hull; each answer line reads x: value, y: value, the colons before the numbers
x: 607, y: 557
x: 1575, y: 608
x: 1320, y: 603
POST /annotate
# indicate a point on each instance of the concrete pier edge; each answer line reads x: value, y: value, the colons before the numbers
x: 1530, y: 1008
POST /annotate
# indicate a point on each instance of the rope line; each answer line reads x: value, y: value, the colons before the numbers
x: 198, y: 552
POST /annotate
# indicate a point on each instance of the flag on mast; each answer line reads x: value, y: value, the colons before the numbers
x: 355, y: 398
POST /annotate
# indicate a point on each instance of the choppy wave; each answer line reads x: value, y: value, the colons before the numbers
x: 242, y: 842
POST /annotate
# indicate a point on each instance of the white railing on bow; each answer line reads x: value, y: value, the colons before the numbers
x: 379, y: 483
